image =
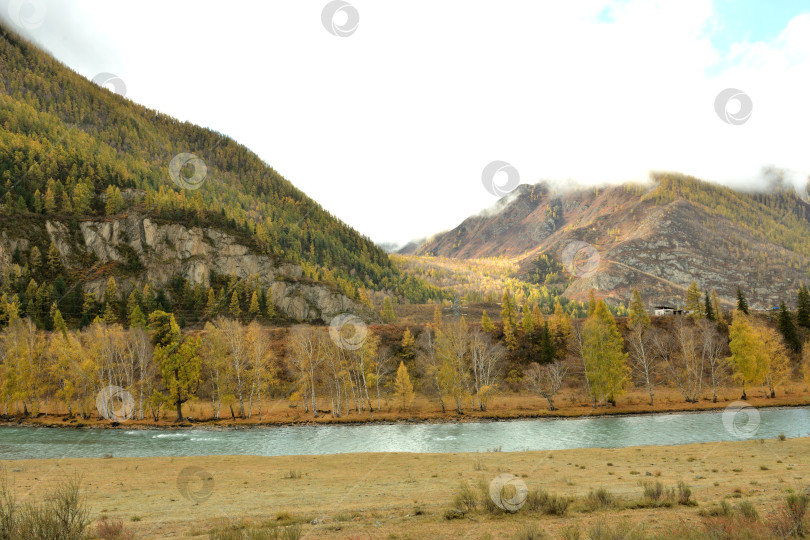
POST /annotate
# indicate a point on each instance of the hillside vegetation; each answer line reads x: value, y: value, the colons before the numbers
x: 71, y: 150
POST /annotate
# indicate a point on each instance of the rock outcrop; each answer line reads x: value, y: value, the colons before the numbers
x: 162, y: 251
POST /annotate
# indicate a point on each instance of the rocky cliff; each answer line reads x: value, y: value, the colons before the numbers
x: 159, y: 251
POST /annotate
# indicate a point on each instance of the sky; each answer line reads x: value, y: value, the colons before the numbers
x: 390, y: 123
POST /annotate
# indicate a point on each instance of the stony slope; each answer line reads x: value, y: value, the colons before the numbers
x: 657, y: 238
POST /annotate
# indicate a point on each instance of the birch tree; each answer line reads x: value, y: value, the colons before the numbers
x: 428, y: 361
x: 684, y: 360
x: 487, y: 364
x: 453, y: 350
x: 644, y: 358
x: 234, y: 336
x: 261, y: 360
x: 304, y: 356
x: 547, y: 379
x: 713, y: 347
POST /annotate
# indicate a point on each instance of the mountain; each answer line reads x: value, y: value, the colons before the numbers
x: 94, y: 186
x: 657, y: 237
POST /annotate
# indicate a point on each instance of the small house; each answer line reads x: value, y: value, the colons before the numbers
x: 664, y: 310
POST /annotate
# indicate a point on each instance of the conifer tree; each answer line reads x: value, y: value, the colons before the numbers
x: 591, y: 302
x: 537, y: 316
x: 693, y: 301
x: 35, y: 259
x: 560, y: 329
x: 407, y: 346
x: 388, y: 310
x: 708, y: 308
x: 486, y: 322
x: 50, y: 200
x: 509, y: 318
x: 788, y: 329
x: 438, y: 318
x: 403, y: 388
x: 717, y: 308
x: 59, y: 324
x: 178, y: 359
x: 639, y: 318
x: 603, y: 351
x: 136, y: 318
x: 742, y: 304
x: 526, y: 320
x: 547, y: 350
x: 803, y: 307
x: 253, y: 310
x: 234, y: 308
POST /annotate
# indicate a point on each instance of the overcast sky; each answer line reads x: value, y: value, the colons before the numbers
x: 390, y: 127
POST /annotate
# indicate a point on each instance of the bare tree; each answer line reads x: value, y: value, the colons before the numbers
x: 382, y: 368
x: 547, y: 379
x: 644, y: 358
x: 487, y: 363
x: 260, y: 360
x: 578, y: 347
x: 713, y: 349
x: 683, y: 358
x: 331, y: 357
x: 214, y: 355
x: 428, y: 362
x: 303, y: 355
x: 139, y: 353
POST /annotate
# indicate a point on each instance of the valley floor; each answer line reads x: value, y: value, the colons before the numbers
x: 407, y: 495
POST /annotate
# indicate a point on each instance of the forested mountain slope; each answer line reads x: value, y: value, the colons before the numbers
x: 657, y: 237
x: 74, y: 155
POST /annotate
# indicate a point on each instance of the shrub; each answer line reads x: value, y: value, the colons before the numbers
x: 748, y: 510
x: 599, y: 499
x: 539, y: 500
x: 791, y: 521
x: 728, y: 528
x: 571, y: 532
x: 685, y: 494
x: 721, y: 510
x: 623, y: 530
x: 241, y: 532
x: 63, y: 514
x: 112, y: 529
x: 466, y: 498
x: 532, y: 532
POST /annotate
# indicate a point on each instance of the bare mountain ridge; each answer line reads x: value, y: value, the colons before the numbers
x: 657, y: 238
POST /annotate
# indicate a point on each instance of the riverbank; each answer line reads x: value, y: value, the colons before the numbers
x: 570, y: 404
x: 396, y: 495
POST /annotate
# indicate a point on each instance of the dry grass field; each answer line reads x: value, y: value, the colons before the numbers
x: 409, y: 495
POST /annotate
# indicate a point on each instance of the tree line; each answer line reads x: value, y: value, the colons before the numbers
x: 234, y: 365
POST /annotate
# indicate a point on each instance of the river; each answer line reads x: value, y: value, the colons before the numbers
x: 516, y: 435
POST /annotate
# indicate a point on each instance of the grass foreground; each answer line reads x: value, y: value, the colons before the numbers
x: 637, y: 492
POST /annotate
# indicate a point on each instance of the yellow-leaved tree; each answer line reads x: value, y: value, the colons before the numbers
x: 403, y: 388
x: 746, y: 352
x: 603, y: 352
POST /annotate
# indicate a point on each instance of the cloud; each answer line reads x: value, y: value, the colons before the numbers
x: 398, y: 120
